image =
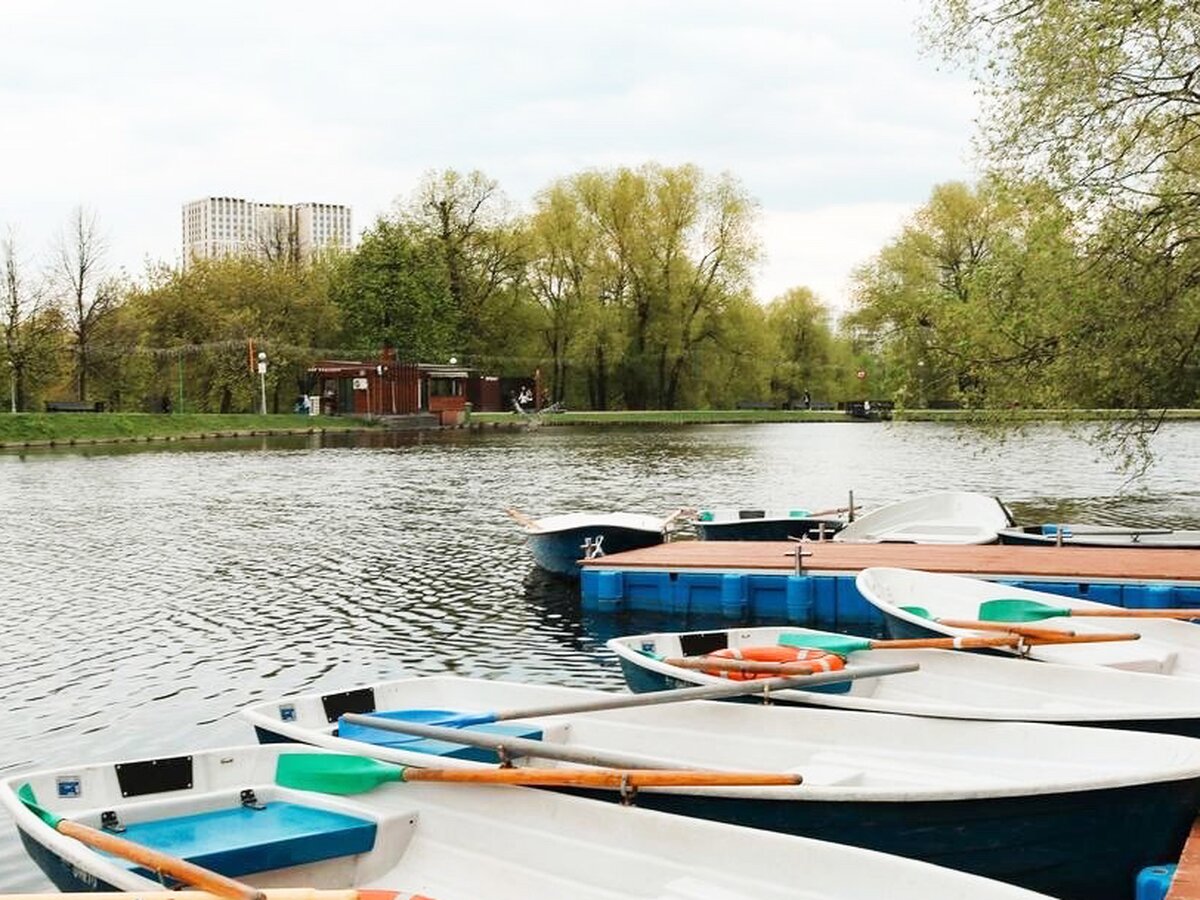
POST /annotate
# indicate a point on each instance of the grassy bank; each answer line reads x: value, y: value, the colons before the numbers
x: 758, y: 416
x: 22, y: 429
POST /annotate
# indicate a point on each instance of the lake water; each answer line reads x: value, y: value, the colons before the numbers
x: 148, y: 593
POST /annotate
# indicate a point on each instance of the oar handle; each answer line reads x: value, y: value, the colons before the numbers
x: 724, y: 664
x: 948, y: 643
x: 832, y: 511
x: 601, y: 778
x: 181, y: 869
x: 269, y: 893
x: 1013, y: 628
x: 1097, y: 638
x: 1116, y: 613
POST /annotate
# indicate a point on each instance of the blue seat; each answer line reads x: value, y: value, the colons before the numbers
x: 380, y: 737
x: 239, y: 841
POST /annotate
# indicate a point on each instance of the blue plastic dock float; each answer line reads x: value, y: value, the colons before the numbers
x: 824, y: 599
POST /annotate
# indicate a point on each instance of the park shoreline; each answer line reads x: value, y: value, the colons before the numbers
x: 30, y: 430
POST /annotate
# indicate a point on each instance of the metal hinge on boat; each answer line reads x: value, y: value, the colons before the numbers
x: 250, y: 801
x: 110, y: 822
x: 628, y: 792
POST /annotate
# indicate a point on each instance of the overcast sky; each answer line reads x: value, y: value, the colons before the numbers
x: 825, y: 109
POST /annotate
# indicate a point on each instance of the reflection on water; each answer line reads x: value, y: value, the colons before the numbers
x: 149, y: 591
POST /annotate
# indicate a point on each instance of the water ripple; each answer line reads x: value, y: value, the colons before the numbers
x: 148, y: 593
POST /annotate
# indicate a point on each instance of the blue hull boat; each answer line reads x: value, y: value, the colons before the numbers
x: 559, y: 542
x: 1072, y: 812
x: 950, y: 684
x: 764, y: 525
x: 1148, y: 537
x: 268, y: 817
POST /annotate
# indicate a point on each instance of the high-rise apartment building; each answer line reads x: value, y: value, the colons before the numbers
x: 225, y: 226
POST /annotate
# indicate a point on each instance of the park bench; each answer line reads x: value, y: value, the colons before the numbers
x: 74, y: 406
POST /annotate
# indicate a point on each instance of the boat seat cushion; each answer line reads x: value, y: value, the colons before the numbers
x: 240, y: 840
x: 381, y: 738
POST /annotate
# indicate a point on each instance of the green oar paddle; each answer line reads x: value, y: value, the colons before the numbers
x: 331, y: 774
x: 1016, y: 610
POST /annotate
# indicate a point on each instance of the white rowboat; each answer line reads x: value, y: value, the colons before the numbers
x: 949, y: 684
x: 956, y: 517
x: 443, y: 842
x: 969, y: 795
x: 1166, y: 647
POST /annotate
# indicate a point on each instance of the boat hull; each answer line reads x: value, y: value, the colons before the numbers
x: 766, y: 529
x: 438, y: 840
x: 560, y: 551
x: 641, y: 680
x: 1088, y: 845
x: 1189, y: 540
x: 64, y: 876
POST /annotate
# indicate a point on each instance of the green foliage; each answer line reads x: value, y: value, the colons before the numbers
x: 810, y: 360
x: 966, y: 305
x: 635, y: 271
x: 196, y: 325
x: 1099, y: 100
x: 392, y: 292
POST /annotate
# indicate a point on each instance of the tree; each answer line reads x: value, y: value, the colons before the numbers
x: 564, y: 274
x: 1102, y: 97
x: 673, y: 248
x: 87, y: 295
x: 28, y: 325
x: 194, y: 326
x: 1102, y: 100
x: 968, y: 303
x: 804, y: 347
x: 392, y: 293
x: 479, y: 241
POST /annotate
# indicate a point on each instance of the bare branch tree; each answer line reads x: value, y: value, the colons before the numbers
x: 87, y: 296
x: 278, y: 236
x: 24, y: 322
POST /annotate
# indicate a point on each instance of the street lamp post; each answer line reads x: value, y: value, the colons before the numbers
x: 262, y: 380
x: 12, y: 386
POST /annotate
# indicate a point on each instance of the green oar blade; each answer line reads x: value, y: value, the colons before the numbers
x: 920, y: 611
x: 26, y: 796
x: 841, y: 644
x: 333, y: 773
x: 1018, y: 611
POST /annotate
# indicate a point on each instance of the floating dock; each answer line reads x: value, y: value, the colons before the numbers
x: 755, y: 580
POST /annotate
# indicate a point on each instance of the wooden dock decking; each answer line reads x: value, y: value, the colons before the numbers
x: 992, y: 560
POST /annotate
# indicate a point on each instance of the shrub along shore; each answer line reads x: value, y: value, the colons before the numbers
x: 55, y: 429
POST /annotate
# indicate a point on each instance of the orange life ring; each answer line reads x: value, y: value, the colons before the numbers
x: 821, y: 660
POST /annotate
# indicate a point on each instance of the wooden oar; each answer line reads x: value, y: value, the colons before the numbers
x: 977, y: 625
x: 704, y: 692
x: 845, y: 644
x: 725, y: 664
x: 521, y: 518
x: 269, y: 893
x: 179, y: 869
x: 1017, y: 610
x: 334, y: 773
x: 832, y: 511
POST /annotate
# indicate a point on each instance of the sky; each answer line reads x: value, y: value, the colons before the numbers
x: 826, y: 110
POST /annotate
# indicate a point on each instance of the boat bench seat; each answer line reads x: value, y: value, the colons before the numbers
x: 380, y: 737
x: 240, y: 840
